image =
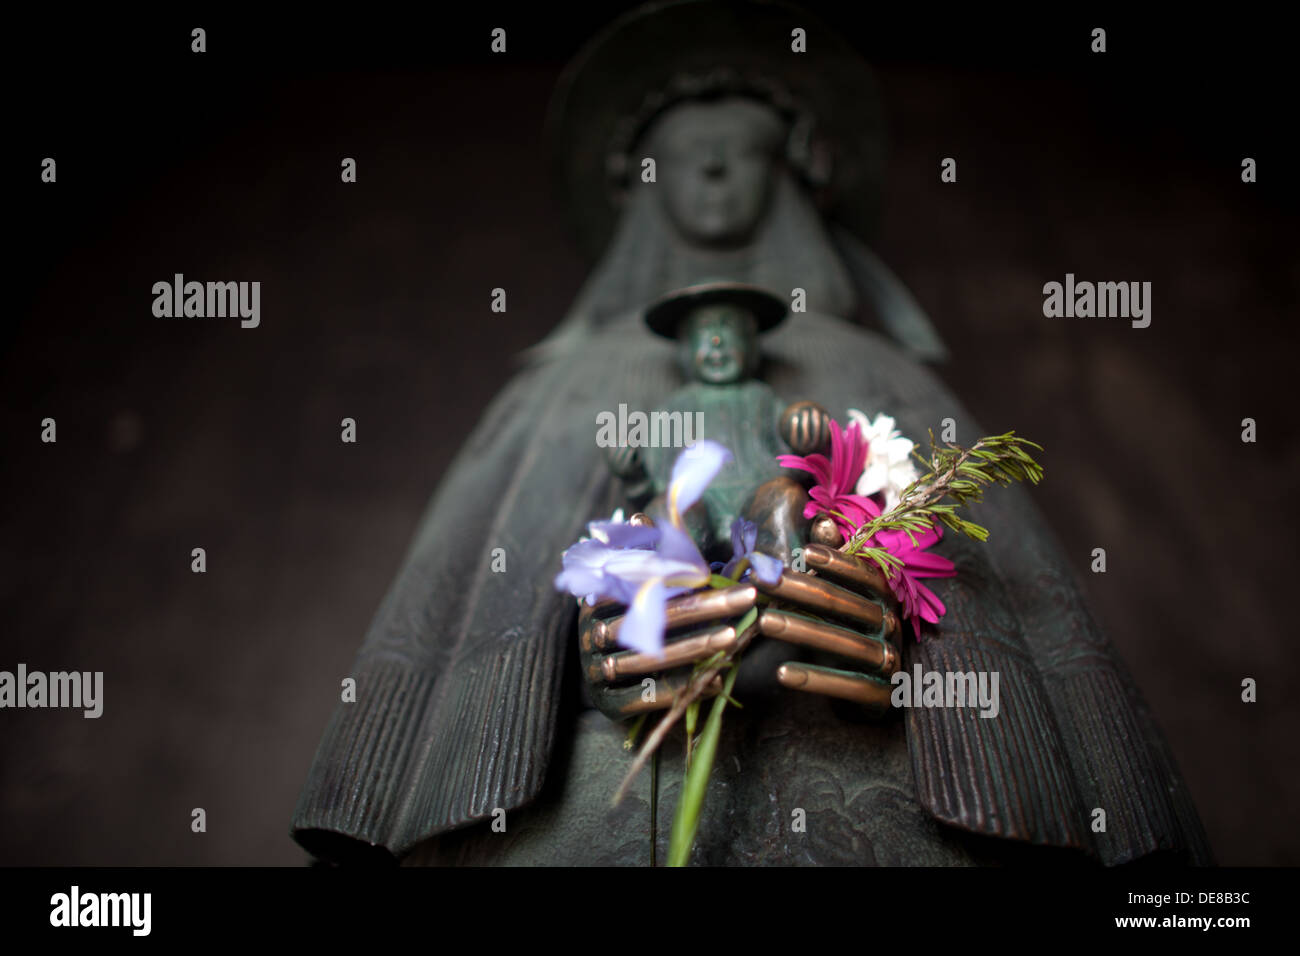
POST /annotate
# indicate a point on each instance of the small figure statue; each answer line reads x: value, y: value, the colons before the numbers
x: 716, y: 326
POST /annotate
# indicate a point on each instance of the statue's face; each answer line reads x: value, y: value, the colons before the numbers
x: 714, y: 167
x: 720, y: 339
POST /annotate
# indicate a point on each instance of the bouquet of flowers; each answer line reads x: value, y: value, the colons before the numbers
x: 889, y: 505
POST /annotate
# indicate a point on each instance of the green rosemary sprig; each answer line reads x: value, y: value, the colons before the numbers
x: 956, y: 473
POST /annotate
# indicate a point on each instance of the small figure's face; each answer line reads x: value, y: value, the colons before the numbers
x: 714, y: 167
x: 720, y: 341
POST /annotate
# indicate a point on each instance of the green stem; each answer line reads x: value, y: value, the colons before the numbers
x: 687, y: 818
x: 654, y: 805
x: 634, y: 732
x: 692, y: 716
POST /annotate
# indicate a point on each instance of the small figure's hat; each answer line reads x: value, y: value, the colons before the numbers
x: 665, y: 315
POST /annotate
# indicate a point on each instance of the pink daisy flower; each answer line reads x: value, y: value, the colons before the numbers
x: 836, y: 479
x: 918, y: 602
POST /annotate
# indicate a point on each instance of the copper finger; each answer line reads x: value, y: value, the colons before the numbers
x: 597, y: 636
x: 593, y: 622
x: 868, y: 691
x: 797, y: 629
x: 847, y: 569
x: 701, y: 607
x: 686, y: 651
x: 824, y: 597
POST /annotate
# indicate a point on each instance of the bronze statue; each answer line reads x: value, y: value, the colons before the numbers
x: 469, y: 738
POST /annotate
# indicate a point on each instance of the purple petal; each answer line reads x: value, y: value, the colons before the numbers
x: 637, y: 567
x: 738, y: 548
x: 624, y: 535
x: 695, y: 467
x: 591, y: 578
x: 766, y: 568
x: 676, y: 545
x: 643, y: 626
x: 584, y: 568
x: 580, y: 582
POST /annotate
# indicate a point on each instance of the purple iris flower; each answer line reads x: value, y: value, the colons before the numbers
x: 622, y: 567
x: 744, y: 535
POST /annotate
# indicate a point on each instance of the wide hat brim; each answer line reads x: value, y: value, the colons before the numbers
x: 644, y: 51
x: 664, y: 316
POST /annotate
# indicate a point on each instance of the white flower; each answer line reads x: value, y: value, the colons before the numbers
x: 889, y: 465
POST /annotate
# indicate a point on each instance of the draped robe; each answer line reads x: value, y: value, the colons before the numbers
x: 469, y: 705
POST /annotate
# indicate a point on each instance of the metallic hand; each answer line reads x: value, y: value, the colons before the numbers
x: 698, y: 625
x: 845, y: 610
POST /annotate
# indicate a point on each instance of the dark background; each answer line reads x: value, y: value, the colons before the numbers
x: 175, y: 434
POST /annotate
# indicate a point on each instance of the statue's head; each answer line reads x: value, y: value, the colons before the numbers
x: 716, y: 326
x: 761, y: 152
x: 716, y: 163
x: 730, y: 106
x: 719, y: 343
